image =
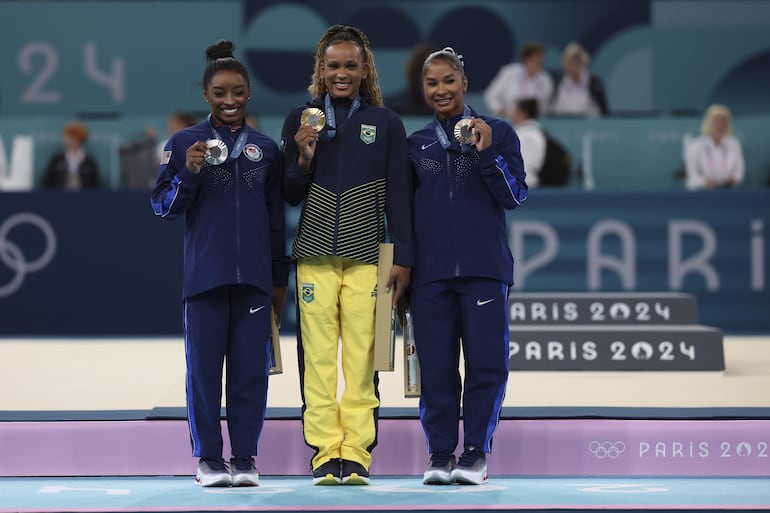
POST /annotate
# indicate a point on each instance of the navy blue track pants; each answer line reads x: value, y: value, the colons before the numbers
x: 449, y: 314
x: 232, y: 324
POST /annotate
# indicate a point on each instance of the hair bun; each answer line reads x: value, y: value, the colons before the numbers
x: 222, y: 49
x: 449, y: 49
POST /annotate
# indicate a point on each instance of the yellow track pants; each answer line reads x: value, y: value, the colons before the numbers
x: 336, y: 302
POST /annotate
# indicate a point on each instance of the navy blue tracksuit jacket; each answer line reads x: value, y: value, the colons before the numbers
x: 234, y: 255
x: 461, y: 277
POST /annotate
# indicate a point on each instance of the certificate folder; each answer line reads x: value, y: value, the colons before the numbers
x: 385, y: 314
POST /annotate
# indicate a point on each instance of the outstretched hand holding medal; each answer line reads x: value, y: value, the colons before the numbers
x: 473, y: 131
x: 312, y: 122
x: 197, y: 155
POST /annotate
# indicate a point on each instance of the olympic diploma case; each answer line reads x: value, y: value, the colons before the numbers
x: 276, y: 364
x: 385, y: 314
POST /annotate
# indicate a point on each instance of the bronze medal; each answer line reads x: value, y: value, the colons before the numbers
x: 464, y: 133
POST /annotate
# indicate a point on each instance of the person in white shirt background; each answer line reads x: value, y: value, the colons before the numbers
x: 715, y: 159
x: 531, y: 136
x: 525, y: 79
x: 579, y: 93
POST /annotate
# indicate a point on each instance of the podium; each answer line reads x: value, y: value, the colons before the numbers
x: 611, y: 331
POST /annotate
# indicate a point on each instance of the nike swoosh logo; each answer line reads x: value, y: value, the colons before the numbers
x: 255, y: 310
x: 426, y: 146
x: 479, y: 302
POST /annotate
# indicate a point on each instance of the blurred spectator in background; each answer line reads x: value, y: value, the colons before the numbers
x: 715, y: 159
x: 579, y: 93
x: 139, y: 159
x: 526, y: 79
x: 532, y: 138
x: 73, y: 168
x: 546, y: 161
x: 411, y: 102
x: 176, y: 122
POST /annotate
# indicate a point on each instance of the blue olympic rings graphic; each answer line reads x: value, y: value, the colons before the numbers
x: 14, y: 258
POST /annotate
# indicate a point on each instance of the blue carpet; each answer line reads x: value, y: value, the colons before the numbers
x: 180, y: 494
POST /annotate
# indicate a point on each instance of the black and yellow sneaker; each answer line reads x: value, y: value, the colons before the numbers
x: 353, y: 473
x: 328, y: 473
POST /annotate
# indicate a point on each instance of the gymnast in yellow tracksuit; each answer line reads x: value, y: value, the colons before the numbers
x: 352, y: 171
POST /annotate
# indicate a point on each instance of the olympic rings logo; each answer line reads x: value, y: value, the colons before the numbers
x: 607, y: 449
x: 13, y: 257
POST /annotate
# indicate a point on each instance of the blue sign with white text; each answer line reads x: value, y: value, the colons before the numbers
x: 99, y: 263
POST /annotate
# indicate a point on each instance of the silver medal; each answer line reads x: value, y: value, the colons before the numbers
x: 217, y: 153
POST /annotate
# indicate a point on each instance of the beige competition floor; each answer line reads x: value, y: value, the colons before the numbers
x: 141, y: 374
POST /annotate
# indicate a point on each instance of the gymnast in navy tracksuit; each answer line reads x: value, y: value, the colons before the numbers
x: 463, y: 270
x: 235, y: 267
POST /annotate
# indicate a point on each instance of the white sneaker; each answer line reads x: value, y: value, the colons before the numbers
x: 471, y: 469
x: 244, y: 472
x: 440, y: 469
x: 213, y: 472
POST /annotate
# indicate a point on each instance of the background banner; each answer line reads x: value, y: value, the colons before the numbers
x: 99, y: 263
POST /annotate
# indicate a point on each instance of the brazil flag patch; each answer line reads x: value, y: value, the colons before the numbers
x: 368, y: 133
x: 308, y: 292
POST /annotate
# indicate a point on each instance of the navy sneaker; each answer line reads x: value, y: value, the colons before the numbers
x: 471, y: 468
x: 353, y: 473
x: 213, y: 472
x: 328, y: 473
x: 244, y: 472
x: 439, y: 472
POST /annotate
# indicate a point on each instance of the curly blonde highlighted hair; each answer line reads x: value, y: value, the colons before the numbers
x: 370, y: 86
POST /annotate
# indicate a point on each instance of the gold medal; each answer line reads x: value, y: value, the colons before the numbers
x: 217, y: 152
x: 314, y: 117
x: 464, y: 133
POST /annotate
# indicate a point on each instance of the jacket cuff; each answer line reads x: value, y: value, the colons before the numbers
x: 281, y: 272
x: 189, y: 178
x: 488, y: 157
x: 294, y: 171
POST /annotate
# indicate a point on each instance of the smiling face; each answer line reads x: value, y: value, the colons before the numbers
x: 343, y: 69
x: 444, y: 88
x: 227, y: 94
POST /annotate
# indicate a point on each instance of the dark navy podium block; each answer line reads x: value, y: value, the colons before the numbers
x: 602, y: 308
x: 610, y: 348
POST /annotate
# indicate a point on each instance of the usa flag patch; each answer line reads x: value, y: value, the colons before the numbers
x: 165, y: 158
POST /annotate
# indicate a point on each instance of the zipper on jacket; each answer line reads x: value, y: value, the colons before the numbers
x: 338, y: 192
x: 450, y: 185
x: 237, y: 223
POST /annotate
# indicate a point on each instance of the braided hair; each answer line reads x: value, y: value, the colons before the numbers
x: 370, y: 86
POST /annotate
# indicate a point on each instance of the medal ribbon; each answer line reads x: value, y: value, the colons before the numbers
x: 331, y: 120
x: 443, y: 139
x: 239, y: 143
